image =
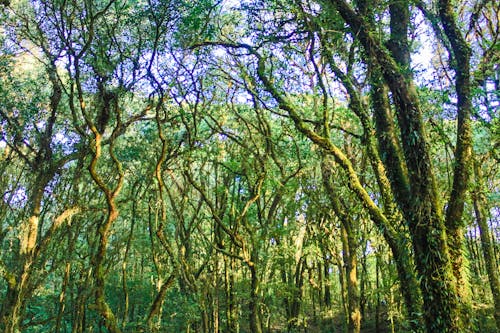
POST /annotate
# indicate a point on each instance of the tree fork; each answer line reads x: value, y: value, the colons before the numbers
x: 426, y: 223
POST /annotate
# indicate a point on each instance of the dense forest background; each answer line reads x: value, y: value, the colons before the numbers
x: 254, y: 166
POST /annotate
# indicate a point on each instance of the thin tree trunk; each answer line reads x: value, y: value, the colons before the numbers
x: 343, y: 291
x: 215, y: 303
x: 424, y: 216
x: 125, y: 317
x: 486, y: 244
x: 327, y: 293
x: 350, y: 245
x: 158, y: 301
x: 297, y: 293
x: 80, y: 303
x: 254, y: 316
x: 377, y: 285
x: 62, y: 297
x: 104, y: 231
x: 232, y: 307
x: 18, y: 287
x: 353, y: 296
x: 364, y: 277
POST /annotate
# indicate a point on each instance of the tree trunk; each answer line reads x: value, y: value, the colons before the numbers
x: 104, y: 231
x: 232, y: 307
x: 353, y: 297
x: 62, y: 297
x: 254, y: 315
x: 460, y: 54
x: 350, y: 245
x: 158, y: 301
x: 392, y: 180
x: 13, y: 304
x: 216, y: 301
x: 297, y: 295
x: 126, y: 301
x: 480, y: 209
x: 18, y: 288
x: 423, y: 214
x: 326, y: 273
x: 378, y: 304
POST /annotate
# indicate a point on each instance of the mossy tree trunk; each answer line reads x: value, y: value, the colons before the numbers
x: 110, y: 193
x: 423, y: 212
x: 481, y: 212
x: 460, y: 54
x: 232, y: 306
x: 254, y: 302
x: 31, y: 242
x: 391, y: 177
x: 350, y: 244
x: 19, y: 282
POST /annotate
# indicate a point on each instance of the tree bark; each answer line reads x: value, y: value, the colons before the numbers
x: 254, y: 315
x: 351, y: 267
x: 460, y: 54
x: 426, y: 224
x: 104, y: 231
x: 481, y: 212
x: 350, y: 245
x: 232, y: 307
x: 158, y: 301
x: 391, y: 175
x: 19, y: 283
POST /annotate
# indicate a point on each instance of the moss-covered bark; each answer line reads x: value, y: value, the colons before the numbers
x: 254, y: 312
x: 349, y: 245
x: 481, y: 213
x: 104, y: 229
x: 44, y: 168
x: 460, y: 54
x: 391, y: 176
x: 424, y: 209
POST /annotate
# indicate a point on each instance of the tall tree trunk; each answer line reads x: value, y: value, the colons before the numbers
x: 350, y: 245
x: 392, y: 180
x: 79, y: 302
x: 460, y: 54
x: 126, y: 301
x: 62, y: 297
x: 104, y: 231
x: 326, y: 278
x: 481, y: 212
x: 296, y: 302
x: 216, y: 301
x: 423, y: 214
x: 397, y: 174
x: 353, y: 296
x: 254, y: 315
x: 18, y: 287
x: 102, y: 306
x: 343, y: 289
x: 378, y: 263
x: 364, y: 278
x: 232, y: 307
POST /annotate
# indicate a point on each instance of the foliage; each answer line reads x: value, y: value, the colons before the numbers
x: 214, y: 166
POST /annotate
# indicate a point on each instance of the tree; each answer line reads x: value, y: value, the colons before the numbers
x: 413, y: 184
x: 259, y: 166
